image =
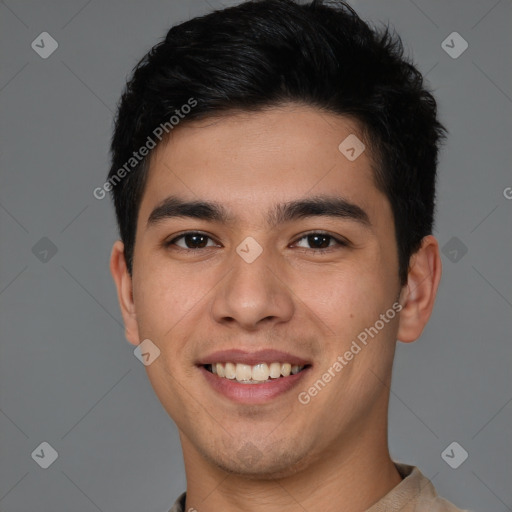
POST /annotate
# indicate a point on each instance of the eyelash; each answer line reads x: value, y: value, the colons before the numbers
x: 339, y: 241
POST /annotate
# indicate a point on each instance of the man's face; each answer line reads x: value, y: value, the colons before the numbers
x: 292, y: 297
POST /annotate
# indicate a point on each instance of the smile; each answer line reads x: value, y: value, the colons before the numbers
x: 239, y: 386
x: 254, y: 374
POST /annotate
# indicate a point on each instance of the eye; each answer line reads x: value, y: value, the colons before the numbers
x: 192, y: 239
x: 321, y: 242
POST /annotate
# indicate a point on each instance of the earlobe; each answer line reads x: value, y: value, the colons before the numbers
x: 418, y: 295
x: 123, y: 281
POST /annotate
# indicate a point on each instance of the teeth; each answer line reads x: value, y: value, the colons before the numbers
x: 275, y: 370
x: 253, y: 374
x: 229, y: 370
x: 243, y: 372
x: 220, y: 369
x: 260, y: 372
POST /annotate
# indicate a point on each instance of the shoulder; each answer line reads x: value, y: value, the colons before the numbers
x: 179, y: 504
x: 415, y: 493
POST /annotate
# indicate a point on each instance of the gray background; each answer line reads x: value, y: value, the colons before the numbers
x: 67, y: 375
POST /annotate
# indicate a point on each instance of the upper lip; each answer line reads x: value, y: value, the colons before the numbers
x: 251, y: 358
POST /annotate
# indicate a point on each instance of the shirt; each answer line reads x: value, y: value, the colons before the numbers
x: 415, y: 493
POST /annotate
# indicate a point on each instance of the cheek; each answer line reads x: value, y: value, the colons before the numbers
x: 346, y: 298
x: 163, y: 296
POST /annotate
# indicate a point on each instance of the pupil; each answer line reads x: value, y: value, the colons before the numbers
x: 193, y: 237
x: 316, y: 237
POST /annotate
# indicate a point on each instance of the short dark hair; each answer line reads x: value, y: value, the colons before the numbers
x: 265, y: 53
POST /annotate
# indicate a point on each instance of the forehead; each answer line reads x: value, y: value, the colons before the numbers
x: 252, y: 160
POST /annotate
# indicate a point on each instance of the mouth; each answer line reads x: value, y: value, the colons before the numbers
x: 260, y: 373
x: 252, y: 377
x: 257, y: 384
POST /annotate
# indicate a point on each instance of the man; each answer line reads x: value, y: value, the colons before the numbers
x: 273, y: 173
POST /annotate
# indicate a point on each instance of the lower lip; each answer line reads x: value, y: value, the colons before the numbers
x: 253, y: 393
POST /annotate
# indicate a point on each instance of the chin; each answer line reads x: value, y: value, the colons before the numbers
x: 254, y: 463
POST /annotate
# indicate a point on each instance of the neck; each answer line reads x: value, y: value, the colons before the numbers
x: 351, y: 476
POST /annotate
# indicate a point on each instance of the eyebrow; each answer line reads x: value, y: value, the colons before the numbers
x: 316, y: 206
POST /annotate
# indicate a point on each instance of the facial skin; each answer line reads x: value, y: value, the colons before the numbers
x: 332, y: 453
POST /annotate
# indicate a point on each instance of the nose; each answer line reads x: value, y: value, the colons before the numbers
x: 253, y: 294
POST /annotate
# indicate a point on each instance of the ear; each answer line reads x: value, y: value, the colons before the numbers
x: 123, y: 282
x: 418, y: 295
